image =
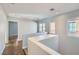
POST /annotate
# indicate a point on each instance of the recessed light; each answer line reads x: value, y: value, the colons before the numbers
x: 52, y: 9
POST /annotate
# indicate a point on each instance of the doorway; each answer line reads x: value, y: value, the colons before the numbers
x: 13, y: 29
x: 13, y: 47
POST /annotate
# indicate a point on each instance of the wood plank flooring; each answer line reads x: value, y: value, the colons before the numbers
x: 13, y: 47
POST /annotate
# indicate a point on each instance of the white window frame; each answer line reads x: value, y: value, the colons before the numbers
x: 42, y: 27
x: 71, y: 31
x: 52, y: 28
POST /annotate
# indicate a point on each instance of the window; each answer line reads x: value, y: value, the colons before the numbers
x: 42, y: 27
x: 72, y: 27
x: 52, y: 27
x: 77, y: 26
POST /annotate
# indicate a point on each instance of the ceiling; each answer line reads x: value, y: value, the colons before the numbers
x: 37, y: 11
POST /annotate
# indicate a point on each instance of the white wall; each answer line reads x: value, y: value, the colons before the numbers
x: 26, y: 27
x: 67, y: 44
x: 3, y: 30
x: 61, y: 31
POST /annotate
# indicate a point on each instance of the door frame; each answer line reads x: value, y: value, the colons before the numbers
x: 8, y: 27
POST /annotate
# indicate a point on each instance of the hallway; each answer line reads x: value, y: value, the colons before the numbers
x: 13, y: 48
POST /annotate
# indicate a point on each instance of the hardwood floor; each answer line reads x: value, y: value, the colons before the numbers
x: 13, y: 47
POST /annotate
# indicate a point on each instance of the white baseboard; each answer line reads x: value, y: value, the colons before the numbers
x: 2, y: 51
